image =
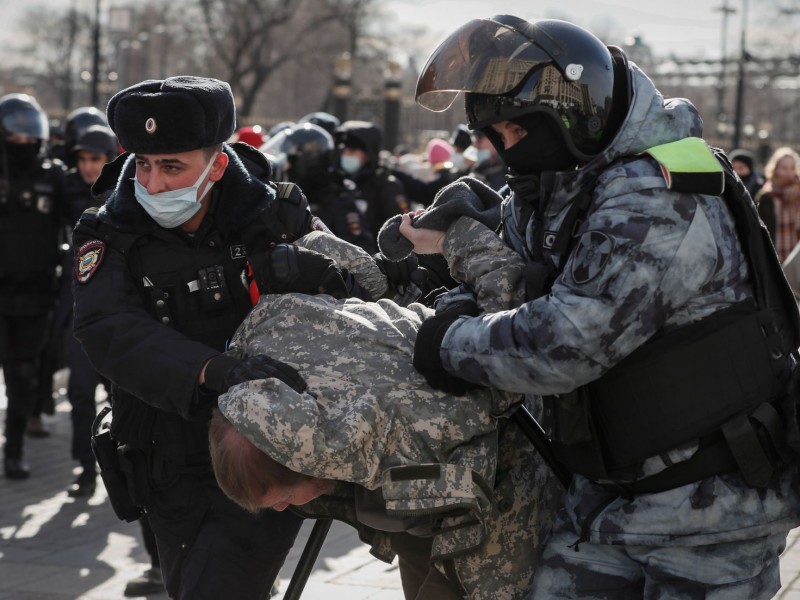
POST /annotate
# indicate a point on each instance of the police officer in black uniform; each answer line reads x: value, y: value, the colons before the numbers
x: 30, y: 216
x: 358, y: 145
x: 160, y: 285
x: 75, y: 125
x: 306, y: 152
x: 95, y: 147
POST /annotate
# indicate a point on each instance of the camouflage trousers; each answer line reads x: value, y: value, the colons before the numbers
x: 742, y: 570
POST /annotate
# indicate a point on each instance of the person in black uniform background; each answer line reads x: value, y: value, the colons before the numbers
x: 359, y: 144
x: 160, y: 285
x: 305, y: 152
x: 31, y: 213
x: 75, y: 125
x: 95, y: 147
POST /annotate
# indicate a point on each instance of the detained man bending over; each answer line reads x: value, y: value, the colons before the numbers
x: 443, y: 467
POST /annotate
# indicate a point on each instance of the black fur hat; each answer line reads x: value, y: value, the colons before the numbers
x: 177, y: 114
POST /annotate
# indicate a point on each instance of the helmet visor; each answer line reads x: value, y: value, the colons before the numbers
x: 483, y: 56
x: 27, y: 121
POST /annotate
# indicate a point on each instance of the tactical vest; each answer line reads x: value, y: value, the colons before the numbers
x: 726, y: 380
x: 30, y: 214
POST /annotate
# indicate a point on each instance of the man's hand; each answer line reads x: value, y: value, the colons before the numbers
x: 427, y: 359
x: 289, y: 268
x: 426, y: 241
x: 221, y: 372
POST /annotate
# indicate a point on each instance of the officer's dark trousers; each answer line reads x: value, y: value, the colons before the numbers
x: 149, y: 539
x: 225, y: 552
x: 21, y: 342
x: 81, y: 389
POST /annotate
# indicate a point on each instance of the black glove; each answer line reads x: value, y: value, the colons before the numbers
x: 289, y: 268
x: 438, y: 272
x: 399, y: 273
x: 223, y: 371
x: 428, y: 345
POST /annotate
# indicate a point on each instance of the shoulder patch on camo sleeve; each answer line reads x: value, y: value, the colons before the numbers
x: 88, y: 258
x: 591, y: 256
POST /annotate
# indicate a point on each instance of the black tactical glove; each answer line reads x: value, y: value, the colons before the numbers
x: 400, y: 273
x: 223, y: 371
x: 429, y: 342
x: 289, y: 268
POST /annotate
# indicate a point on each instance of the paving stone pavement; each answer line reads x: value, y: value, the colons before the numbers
x: 53, y: 547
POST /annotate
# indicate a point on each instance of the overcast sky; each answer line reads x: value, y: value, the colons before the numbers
x: 683, y: 27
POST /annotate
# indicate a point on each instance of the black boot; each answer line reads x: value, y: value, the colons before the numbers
x: 84, y: 485
x: 149, y: 582
x: 16, y: 469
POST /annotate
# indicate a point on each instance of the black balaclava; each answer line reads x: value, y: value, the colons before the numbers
x: 21, y: 157
x: 543, y: 149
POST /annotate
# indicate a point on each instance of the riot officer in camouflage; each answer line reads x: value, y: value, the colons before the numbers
x: 658, y: 327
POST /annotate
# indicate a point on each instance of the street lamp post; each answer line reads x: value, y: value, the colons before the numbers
x: 391, y: 99
x: 726, y: 12
x: 342, y: 74
x: 743, y: 57
x: 95, y: 100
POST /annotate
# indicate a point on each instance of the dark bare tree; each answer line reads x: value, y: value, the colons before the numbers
x: 254, y: 39
x: 57, y: 41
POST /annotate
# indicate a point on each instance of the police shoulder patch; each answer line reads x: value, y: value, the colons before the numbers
x: 88, y: 258
x: 591, y: 256
x: 353, y: 220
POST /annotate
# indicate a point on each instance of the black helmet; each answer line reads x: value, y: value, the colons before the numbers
x: 78, y: 121
x: 278, y: 127
x: 20, y: 113
x: 304, y: 153
x: 98, y: 139
x: 510, y: 67
x: 325, y: 120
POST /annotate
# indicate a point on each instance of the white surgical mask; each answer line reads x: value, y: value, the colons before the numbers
x: 174, y: 207
x: 350, y: 164
x: 483, y: 155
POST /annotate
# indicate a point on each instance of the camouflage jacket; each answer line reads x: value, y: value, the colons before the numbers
x: 646, y: 259
x: 370, y: 419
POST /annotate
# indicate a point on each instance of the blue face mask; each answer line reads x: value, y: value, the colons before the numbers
x: 174, y: 207
x: 350, y: 164
x: 483, y: 155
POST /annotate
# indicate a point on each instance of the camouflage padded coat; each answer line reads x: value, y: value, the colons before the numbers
x: 369, y: 418
x: 646, y: 258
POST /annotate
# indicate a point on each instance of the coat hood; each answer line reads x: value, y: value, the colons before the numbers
x: 365, y: 134
x: 652, y: 120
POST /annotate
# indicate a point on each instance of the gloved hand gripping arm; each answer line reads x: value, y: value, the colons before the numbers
x: 224, y: 371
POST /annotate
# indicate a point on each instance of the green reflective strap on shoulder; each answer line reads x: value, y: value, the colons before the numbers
x: 689, y: 165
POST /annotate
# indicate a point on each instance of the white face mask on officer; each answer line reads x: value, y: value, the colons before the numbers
x: 173, y: 207
x: 350, y: 164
